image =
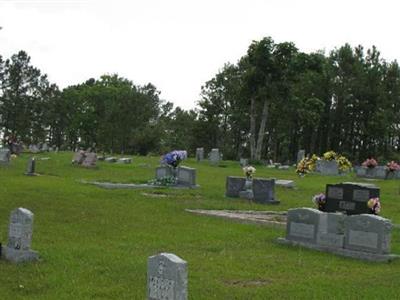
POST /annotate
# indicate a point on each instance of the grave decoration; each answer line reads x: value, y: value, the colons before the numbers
x: 167, y: 174
x: 371, y: 169
x: 331, y: 163
x: 363, y: 236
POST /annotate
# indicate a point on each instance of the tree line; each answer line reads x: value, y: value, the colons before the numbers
x: 274, y: 101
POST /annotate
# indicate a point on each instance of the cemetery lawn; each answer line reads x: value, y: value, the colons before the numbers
x: 94, y: 243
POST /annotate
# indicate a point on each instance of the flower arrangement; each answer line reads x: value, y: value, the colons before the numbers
x: 330, y: 155
x: 164, y: 181
x: 319, y: 200
x: 307, y: 165
x: 249, y: 171
x: 374, y: 205
x: 343, y: 163
x: 392, y: 166
x: 370, y: 163
x: 174, y: 158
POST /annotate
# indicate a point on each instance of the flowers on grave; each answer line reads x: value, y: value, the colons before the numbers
x: 307, y: 165
x: 392, y: 166
x: 249, y: 171
x: 330, y: 155
x: 343, y: 163
x: 374, y: 205
x: 319, y: 200
x: 370, y: 163
x: 164, y: 181
x: 174, y: 158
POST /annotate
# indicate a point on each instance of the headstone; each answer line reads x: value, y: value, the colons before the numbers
x: 18, y: 248
x: 349, y: 197
x: 327, y: 167
x: 199, y: 154
x: 215, y: 156
x: 167, y: 277
x: 164, y: 171
x: 110, y: 159
x: 302, y: 225
x: 368, y: 233
x: 34, y: 148
x: 186, y: 176
x: 30, y: 170
x: 380, y: 172
x: 331, y: 230
x: 78, y: 158
x: 125, y: 160
x: 45, y: 147
x: 90, y: 160
x: 5, y: 156
x: 244, y: 162
x: 234, y: 185
x: 264, y: 191
x: 300, y: 155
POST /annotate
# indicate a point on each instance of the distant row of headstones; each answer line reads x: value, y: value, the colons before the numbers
x: 214, y: 156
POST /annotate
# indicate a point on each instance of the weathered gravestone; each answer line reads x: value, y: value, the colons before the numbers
x: 30, y: 170
x: 90, y: 160
x: 327, y: 167
x: 167, y: 277
x: 18, y: 248
x: 234, y: 185
x: 199, y: 154
x: 78, y: 158
x: 368, y: 233
x: 300, y: 155
x: 5, y: 156
x: 264, y: 191
x: 302, y: 225
x: 164, y: 171
x: 349, y: 197
x: 214, y: 156
x: 186, y: 176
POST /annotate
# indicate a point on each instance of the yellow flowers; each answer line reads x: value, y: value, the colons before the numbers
x: 330, y: 155
x: 309, y: 164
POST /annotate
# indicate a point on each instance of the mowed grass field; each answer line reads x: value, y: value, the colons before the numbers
x: 94, y: 243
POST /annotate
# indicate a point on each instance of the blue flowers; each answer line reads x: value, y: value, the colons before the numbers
x: 174, y: 158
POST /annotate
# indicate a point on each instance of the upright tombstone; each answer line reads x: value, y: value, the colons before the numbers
x: 214, y: 156
x: 349, y: 197
x: 300, y: 155
x: 264, y: 191
x: 234, y: 185
x: 302, y: 225
x: 164, y: 171
x: 18, y: 248
x: 167, y: 277
x: 90, y: 160
x: 199, y: 154
x: 327, y: 167
x: 30, y: 170
x: 79, y: 157
x: 187, y: 176
x: 368, y: 233
x: 5, y: 156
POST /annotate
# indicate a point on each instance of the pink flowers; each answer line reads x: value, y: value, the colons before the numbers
x: 393, y: 166
x: 370, y: 163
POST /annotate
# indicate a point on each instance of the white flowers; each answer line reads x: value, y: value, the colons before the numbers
x: 249, y: 171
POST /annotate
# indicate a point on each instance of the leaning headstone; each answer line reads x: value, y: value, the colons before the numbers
x: 90, y: 160
x: 368, y: 233
x: 167, y: 277
x: 5, y: 156
x: 264, y: 191
x: 164, y: 171
x: 30, y: 170
x: 300, y: 155
x: 18, y: 248
x: 78, y: 158
x: 214, y: 156
x: 234, y: 185
x: 327, y: 167
x: 350, y: 197
x: 187, y: 176
x: 302, y: 225
x: 199, y: 154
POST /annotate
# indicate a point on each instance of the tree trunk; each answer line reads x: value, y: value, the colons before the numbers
x: 261, y: 131
x: 253, y: 128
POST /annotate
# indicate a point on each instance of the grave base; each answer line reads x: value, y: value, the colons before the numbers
x: 18, y: 256
x: 343, y: 252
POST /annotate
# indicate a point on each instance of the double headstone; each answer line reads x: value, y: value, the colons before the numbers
x: 167, y: 277
x: 20, y: 231
x: 199, y: 154
x: 164, y: 171
x: 5, y: 156
x: 378, y: 172
x: 349, y: 197
x: 214, y: 156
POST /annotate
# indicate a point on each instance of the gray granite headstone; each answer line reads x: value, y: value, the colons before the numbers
x: 234, y: 185
x: 18, y: 248
x: 331, y: 230
x: 300, y: 155
x: 78, y: 158
x: 214, y: 156
x: 327, y: 167
x: 368, y: 233
x: 30, y: 170
x: 90, y: 160
x: 186, y: 176
x: 199, y: 154
x: 5, y: 155
x: 264, y: 191
x: 302, y: 225
x: 164, y: 171
x: 167, y: 277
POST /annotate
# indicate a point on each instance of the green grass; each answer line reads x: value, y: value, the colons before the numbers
x: 94, y: 243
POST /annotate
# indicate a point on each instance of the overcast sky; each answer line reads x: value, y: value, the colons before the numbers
x: 180, y: 44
